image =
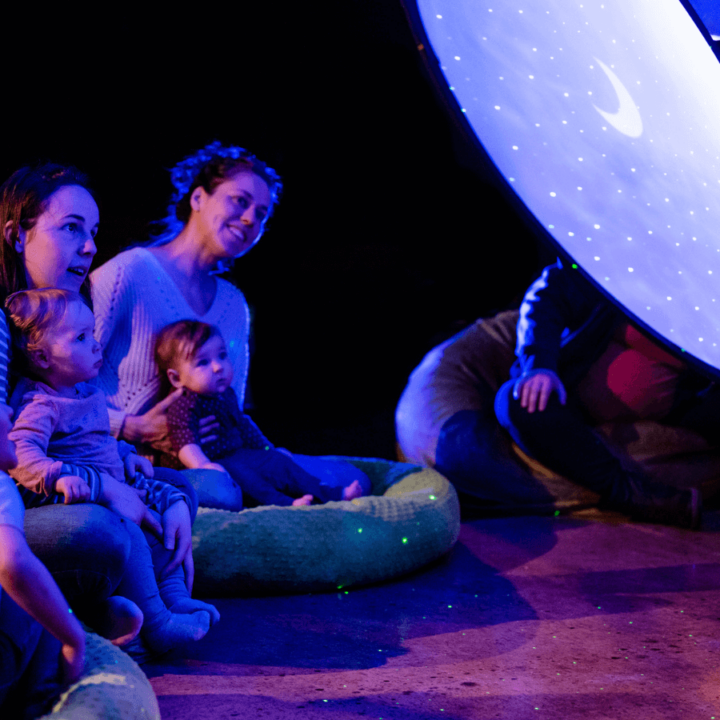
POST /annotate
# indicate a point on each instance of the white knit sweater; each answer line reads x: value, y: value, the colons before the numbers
x: 134, y: 298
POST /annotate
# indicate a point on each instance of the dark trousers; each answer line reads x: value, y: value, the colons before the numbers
x: 269, y: 477
x: 29, y: 664
x: 561, y: 438
x: 85, y: 547
x: 475, y: 455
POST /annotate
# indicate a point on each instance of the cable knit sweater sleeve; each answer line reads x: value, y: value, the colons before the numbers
x: 110, y: 309
x: 134, y: 299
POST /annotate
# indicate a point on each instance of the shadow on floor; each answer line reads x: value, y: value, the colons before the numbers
x: 363, y: 628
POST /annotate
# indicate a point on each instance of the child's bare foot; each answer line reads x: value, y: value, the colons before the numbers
x: 304, y: 500
x: 188, y: 605
x: 117, y: 619
x: 353, y: 491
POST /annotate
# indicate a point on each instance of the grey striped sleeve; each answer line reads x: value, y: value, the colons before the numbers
x: 88, y: 474
x: 160, y: 495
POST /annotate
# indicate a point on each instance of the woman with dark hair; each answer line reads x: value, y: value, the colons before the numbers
x: 223, y: 198
x: 49, y: 220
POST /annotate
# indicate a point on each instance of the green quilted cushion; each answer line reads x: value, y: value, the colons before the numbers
x: 412, y: 518
x: 112, y: 687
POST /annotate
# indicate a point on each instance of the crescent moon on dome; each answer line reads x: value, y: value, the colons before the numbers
x: 627, y: 119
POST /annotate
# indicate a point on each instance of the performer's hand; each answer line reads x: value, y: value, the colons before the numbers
x: 534, y: 390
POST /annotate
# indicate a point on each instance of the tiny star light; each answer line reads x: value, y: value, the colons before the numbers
x: 610, y: 133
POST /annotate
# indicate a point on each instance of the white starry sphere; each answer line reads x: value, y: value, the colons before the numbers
x: 610, y: 135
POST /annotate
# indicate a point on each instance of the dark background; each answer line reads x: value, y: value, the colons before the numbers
x: 389, y: 238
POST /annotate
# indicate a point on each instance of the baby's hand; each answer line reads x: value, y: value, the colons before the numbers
x: 74, y: 488
x: 213, y: 466
x: 134, y: 462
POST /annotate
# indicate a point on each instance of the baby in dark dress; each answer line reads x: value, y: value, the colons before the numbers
x: 192, y: 355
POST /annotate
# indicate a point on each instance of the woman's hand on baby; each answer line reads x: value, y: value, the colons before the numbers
x: 177, y: 536
x: 151, y: 427
x: 134, y: 462
x: 125, y: 501
x: 74, y: 488
x: 534, y: 390
x: 207, y: 429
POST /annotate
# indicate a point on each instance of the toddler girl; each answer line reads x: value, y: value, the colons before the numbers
x: 192, y: 355
x: 65, y: 451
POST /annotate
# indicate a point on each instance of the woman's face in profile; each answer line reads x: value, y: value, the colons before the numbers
x: 232, y: 218
x: 59, y: 249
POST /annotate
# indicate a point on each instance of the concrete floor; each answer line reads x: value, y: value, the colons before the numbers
x: 586, y: 616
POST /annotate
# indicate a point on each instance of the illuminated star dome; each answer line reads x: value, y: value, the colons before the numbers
x: 604, y: 118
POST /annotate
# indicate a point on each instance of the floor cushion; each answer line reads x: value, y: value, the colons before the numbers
x: 460, y: 378
x: 412, y: 518
x: 112, y: 686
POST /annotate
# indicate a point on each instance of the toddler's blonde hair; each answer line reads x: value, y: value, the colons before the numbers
x: 34, y: 312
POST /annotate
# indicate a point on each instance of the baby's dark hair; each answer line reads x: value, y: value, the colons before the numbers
x: 34, y: 312
x: 180, y: 341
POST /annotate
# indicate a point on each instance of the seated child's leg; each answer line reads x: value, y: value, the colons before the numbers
x: 29, y: 663
x: 256, y: 472
x: 335, y: 477
x: 162, y: 630
x: 281, y: 472
x: 173, y: 589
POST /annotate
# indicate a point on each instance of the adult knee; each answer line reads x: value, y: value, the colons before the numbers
x: 85, y: 546
x: 106, y: 533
